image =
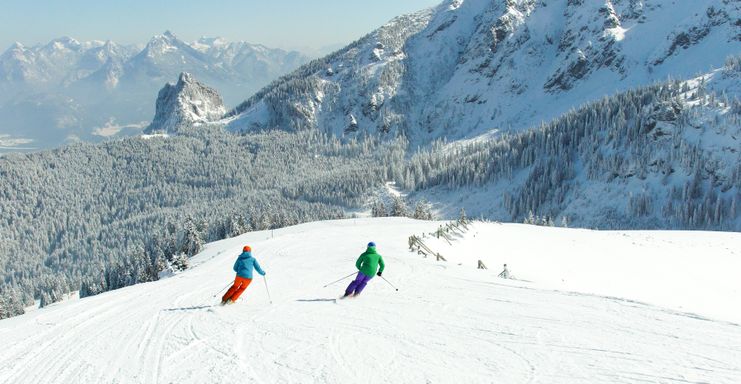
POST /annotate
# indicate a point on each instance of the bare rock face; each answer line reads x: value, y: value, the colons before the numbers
x: 184, y: 104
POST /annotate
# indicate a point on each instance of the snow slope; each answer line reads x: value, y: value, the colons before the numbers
x: 682, y: 270
x: 446, y: 324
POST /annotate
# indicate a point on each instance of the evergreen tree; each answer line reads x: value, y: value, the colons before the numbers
x: 378, y: 209
x: 91, y: 287
x: 399, y: 207
x: 10, y: 304
x: 192, y: 242
x: 530, y: 219
x: 564, y: 222
x: 180, y: 262
x: 422, y: 210
x: 238, y: 225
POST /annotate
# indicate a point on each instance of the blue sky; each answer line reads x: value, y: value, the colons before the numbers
x: 292, y: 24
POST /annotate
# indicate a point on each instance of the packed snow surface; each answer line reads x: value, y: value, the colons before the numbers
x: 589, y: 307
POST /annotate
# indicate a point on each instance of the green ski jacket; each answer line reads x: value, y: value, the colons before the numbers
x: 369, y: 262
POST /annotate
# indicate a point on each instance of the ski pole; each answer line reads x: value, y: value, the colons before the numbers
x: 384, y: 279
x: 337, y: 281
x: 265, y: 279
x: 222, y: 289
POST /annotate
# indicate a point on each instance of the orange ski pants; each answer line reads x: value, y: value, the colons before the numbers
x: 240, y: 284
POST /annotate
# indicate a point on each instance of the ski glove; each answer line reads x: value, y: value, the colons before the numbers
x: 379, y: 273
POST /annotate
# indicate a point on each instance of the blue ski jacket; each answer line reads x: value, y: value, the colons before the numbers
x: 244, y: 265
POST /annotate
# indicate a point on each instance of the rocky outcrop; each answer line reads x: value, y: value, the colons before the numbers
x: 184, y: 104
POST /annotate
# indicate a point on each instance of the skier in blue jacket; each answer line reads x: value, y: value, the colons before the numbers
x: 243, y: 267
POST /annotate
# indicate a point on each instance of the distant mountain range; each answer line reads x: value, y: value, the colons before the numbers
x: 68, y: 90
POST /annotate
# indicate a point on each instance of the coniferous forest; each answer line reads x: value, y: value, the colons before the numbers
x: 100, y: 217
x: 661, y: 157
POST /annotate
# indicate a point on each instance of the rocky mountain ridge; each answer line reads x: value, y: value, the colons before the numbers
x: 473, y: 67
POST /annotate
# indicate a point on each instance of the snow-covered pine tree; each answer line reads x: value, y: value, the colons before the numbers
x: 180, y: 262
x: 422, y: 210
x: 239, y: 225
x: 262, y: 222
x: 564, y: 222
x: 45, y: 299
x: 91, y: 286
x: 531, y: 219
x: 52, y: 290
x: 399, y: 207
x: 378, y: 209
x: 192, y: 242
x: 10, y: 303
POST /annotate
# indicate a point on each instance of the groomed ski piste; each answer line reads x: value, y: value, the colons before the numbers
x: 588, y: 307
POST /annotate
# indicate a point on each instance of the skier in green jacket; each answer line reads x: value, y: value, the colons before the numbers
x: 368, y: 263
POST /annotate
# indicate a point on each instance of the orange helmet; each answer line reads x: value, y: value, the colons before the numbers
x: 247, y: 248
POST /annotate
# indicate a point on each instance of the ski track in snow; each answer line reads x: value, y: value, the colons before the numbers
x: 447, y: 324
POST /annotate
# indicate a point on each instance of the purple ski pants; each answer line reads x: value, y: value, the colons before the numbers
x: 358, y: 284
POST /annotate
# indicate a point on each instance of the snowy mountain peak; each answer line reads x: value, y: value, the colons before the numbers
x: 65, y: 41
x: 16, y: 46
x: 165, y: 43
x: 110, y: 45
x: 62, y: 44
x: 15, y: 52
x: 166, y: 37
x: 167, y: 53
x: 185, y: 77
x: 205, y: 43
x: 467, y: 68
x: 186, y: 103
x: 161, y: 42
